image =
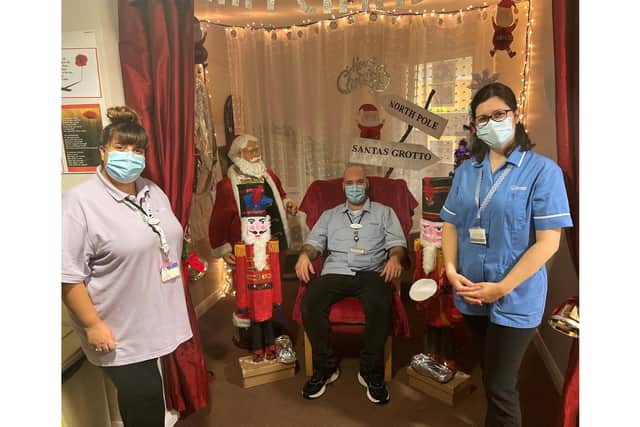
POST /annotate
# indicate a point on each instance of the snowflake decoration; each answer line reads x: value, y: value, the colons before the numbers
x: 481, y: 80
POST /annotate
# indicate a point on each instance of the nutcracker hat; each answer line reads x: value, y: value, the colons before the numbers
x: 253, y: 202
x: 368, y: 107
x: 434, y: 193
x: 238, y: 143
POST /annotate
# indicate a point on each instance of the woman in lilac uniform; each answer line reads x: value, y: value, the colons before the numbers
x: 503, y: 220
x: 121, y: 247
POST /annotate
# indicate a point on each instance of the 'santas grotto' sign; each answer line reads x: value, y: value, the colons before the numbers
x: 391, y: 154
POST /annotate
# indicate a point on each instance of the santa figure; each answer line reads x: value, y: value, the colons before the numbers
x: 257, y: 274
x: 440, y: 313
x: 248, y: 172
x: 369, y: 121
x: 503, y: 26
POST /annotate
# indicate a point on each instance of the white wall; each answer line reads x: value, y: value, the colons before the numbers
x: 100, y: 16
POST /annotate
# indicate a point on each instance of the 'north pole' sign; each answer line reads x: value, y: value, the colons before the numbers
x: 416, y: 116
x: 392, y: 154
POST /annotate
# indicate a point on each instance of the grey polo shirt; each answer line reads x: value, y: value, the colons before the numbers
x: 380, y: 232
x: 106, y: 245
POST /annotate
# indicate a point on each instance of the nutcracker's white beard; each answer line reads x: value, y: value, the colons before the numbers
x: 429, y: 252
x: 255, y: 169
x: 259, y: 244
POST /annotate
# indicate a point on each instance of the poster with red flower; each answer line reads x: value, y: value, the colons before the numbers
x: 80, y: 73
x: 81, y: 129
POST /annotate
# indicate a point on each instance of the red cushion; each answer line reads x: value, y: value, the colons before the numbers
x: 348, y: 310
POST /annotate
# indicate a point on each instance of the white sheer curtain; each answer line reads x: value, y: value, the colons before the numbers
x: 285, y: 89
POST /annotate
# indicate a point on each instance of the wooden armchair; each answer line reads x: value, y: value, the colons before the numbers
x: 347, y: 316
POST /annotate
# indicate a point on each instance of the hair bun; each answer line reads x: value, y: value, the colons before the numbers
x: 122, y: 115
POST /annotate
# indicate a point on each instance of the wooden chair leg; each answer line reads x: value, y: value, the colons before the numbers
x: 387, y: 359
x: 308, y: 356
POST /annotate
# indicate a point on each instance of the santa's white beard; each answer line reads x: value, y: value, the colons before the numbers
x: 259, y: 245
x: 429, y: 252
x: 256, y: 169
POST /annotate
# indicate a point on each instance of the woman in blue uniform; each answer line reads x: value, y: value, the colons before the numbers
x: 503, y: 220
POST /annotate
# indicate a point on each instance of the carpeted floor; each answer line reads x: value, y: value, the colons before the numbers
x: 345, y: 404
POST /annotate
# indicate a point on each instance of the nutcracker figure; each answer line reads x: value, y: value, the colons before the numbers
x: 434, y: 296
x: 257, y: 273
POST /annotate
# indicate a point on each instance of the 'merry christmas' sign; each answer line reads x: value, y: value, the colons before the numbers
x: 414, y: 115
x: 392, y: 154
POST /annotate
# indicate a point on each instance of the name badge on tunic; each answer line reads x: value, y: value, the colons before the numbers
x: 478, y: 236
x: 169, y: 271
x: 358, y: 251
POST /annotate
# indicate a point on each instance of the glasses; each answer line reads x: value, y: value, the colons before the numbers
x: 496, y: 116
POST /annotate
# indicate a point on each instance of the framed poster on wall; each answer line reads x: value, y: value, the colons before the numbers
x: 81, y: 128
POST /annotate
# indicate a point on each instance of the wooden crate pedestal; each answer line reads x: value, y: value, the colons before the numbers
x: 450, y: 393
x: 265, y: 372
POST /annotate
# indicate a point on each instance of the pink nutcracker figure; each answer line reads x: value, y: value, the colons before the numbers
x: 503, y: 26
x: 431, y: 288
x: 369, y: 121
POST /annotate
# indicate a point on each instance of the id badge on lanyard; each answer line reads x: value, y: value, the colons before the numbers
x: 356, y: 226
x: 477, y: 234
x: 169, y: 269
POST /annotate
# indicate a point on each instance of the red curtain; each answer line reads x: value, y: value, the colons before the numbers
x: 566, y: 54
x: 157, y: 60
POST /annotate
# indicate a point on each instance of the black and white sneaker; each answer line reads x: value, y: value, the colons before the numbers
x: 376, y: 388
x: 317, y: 385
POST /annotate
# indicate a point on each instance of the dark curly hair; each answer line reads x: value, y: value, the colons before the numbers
x: 479, y: 148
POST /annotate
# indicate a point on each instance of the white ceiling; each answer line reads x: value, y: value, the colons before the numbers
x: 287, y: 12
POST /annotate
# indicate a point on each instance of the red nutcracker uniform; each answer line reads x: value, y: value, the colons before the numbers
x: 257, y: 291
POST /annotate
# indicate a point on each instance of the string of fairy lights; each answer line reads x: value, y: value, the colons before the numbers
x: 396, y: 17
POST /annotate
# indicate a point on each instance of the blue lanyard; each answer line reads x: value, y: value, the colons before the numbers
x: 490, y: 194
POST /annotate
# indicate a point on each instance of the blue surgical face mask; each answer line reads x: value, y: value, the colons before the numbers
x: 355, y: 193
x: 496, y: 134
x: 124, y: 166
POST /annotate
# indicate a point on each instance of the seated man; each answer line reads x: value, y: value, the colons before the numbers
x: 366, y: 248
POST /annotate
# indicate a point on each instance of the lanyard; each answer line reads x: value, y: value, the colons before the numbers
x: 491, y: 193
x: 355, y: 226
x: 153, y: 223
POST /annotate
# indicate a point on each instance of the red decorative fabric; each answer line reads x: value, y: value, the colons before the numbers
x: 565, y: 15
x: 157, y: 60
x: 348, y: 310
x: 184, y: 371
x: 571, y: 394
x: 325, y: 194
x: 566, y: 56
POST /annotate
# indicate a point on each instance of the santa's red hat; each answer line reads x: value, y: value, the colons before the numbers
x: 368, y: 107
x: 238, y: 143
